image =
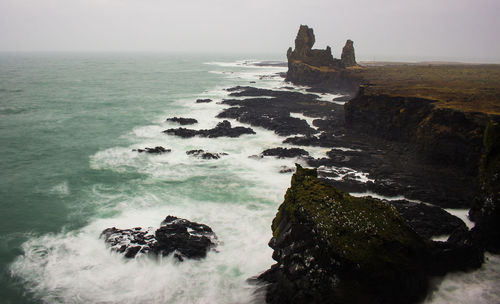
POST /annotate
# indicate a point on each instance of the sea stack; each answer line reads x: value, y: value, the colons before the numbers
x: 308, y: 66
x: 347, y: 58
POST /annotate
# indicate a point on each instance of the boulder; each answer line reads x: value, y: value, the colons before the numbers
x: 183, y: 121
x: 205, y: 155
x: 206, y: 100
x: 155, y: 150
x: 183, y: 238
x: 285, y: 152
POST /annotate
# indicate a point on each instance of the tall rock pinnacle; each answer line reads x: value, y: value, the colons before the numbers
x: 347, y: 58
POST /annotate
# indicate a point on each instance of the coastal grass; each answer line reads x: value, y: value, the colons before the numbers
x: 465, y: 87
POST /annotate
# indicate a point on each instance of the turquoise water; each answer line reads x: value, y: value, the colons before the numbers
x: 57, y: 111
x: 68, y: 124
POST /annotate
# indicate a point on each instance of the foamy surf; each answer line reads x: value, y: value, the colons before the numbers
x: 237, y: 195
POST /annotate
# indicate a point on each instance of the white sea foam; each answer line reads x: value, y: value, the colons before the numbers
x: 479, y: 287
x: 76, y: 267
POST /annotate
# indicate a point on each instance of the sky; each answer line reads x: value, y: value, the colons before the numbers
x: 453, y: 30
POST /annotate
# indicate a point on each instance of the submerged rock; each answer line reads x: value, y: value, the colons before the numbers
x: 183, y: 121
x: 223, y: 129
x: 155, y: 150
x: 206, y: 100
x: 183, y: 238
x: 331, y: 247
x: 205, y: 155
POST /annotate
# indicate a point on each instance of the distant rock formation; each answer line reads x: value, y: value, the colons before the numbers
x: 348, y: 58
x: 313, y: 67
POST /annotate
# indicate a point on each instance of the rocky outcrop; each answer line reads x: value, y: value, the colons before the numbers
x: 205, y: 155
x: 318, y: 67
x: 204, y: 100
x: 285, y: 152
x: 348, y: 59
x: 183, y: 121
x: 155, y: 150
x: 181, y: 237
x: 223, y: 129
x: 331, y: 247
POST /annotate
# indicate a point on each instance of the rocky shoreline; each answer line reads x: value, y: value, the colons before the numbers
x: 407, y: 146
x: 330, y: 246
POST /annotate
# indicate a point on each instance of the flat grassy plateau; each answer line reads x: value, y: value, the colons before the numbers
x: 465, y: 87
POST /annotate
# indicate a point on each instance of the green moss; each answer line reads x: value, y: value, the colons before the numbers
x: 490, y: 159
x: 366, y: 231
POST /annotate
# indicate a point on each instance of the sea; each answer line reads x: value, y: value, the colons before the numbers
x: 69, y: 123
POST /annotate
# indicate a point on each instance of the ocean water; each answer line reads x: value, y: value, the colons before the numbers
x: 68, y: 125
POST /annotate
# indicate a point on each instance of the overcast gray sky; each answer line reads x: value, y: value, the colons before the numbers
x: 467, y: 30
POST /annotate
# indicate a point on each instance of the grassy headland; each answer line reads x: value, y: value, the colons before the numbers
x: 465, y: 87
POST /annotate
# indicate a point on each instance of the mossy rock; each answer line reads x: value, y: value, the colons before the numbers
x: 366, y: 232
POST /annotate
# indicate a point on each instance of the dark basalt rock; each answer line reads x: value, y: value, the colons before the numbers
x: 206, y: 100
x: 247, y: 91
x: 274, y: 113
x: 285, y: 152
x: 183, y: 121
x: 179, y: 236
x: 427, y: 220
x: 155, y: 150
x: 222, y: 129
x: 205, y: 155
x: 331, y: 247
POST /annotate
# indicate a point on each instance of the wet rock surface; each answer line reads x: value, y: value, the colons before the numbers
x: 183, y: 238
x: 223, y: 129
x: 285, y: 152
x: 205, y: 100
x: 155, y: 150
x: 205, y: 155
x: 428, y: 221
x: 273, y: 113
x: 393, y: 167
x: 183, y: 121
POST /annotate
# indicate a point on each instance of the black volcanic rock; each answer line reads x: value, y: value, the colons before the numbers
x: 205, y: 155
x: 274, y: 113
x: 285, y: 152
x: 184, y: 238
x: 348, y: 58
x: 254, y: 92
x: 183, y: 121
x: 155, y: 150
x: 331, y: 247
x: 223, y: 129
x: 427, y: 220
x: 206, y: 100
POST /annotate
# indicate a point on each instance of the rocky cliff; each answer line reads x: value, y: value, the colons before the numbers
x: 331, y: 247
x: 451, y: 139
x: 442, y: 135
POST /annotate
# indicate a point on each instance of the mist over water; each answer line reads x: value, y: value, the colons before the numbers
x: 68, y: 125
